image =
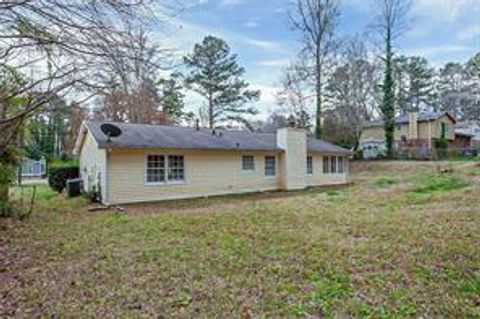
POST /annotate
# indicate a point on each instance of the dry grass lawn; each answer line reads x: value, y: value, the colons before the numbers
x: 404, y: 241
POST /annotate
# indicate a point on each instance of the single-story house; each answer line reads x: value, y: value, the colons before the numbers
x: 413, y: 130
x: 472, y: 129
x: 463, y: 140
x: 153, y: 162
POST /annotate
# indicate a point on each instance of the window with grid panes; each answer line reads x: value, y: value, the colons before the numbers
x: 326, y: 165
x: 176, y: 169
x: 333, y: 164
x: 309, y: 165
x: 155, y: 169
x: 341, y: 164
x: 269, y: 165
x: 248, y: 163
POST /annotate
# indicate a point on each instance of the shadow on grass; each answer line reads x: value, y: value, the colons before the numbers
x: 211, y: 201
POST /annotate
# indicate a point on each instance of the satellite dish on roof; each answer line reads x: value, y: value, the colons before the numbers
x: 110, y: 130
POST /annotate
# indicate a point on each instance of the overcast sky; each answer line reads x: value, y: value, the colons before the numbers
x: 258, y: 31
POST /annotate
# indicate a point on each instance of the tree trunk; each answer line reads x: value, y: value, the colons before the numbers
x: 3, y: 195
x: 388, y: 108
x: 318, y: 91
x: 211, y: 122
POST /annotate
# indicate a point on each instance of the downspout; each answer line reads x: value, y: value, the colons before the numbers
x: 429, y: 135
x: 106, y: 202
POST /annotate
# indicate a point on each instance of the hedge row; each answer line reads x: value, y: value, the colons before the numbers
x: 59, y: 174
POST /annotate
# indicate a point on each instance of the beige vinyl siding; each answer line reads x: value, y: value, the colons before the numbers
x: 206, y: 173
x: 378, y: 133
x: 92, y: 163
x: 373, y: 133
x: 318, y: 178
x: 400, y: 130
x: 437, y: 128
x: 426, y: 130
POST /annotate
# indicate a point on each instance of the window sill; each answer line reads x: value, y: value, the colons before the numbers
x: 166, y: 183
x: 344, y: 173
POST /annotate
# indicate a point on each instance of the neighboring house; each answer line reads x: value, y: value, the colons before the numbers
x: 373, y: 148
x: 469, y: 128
x: 32, y: 168
x: 153, y: 162
x: 463, y: 140
x: 416, y: 130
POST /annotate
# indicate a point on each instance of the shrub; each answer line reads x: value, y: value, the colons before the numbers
x: 358, y: 154
x: 441, y: 144
x: 8, y: 161
x: 59, y: 174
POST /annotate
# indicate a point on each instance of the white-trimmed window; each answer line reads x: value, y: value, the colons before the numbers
x: 309, y: 165
x: 176, y: 168
x: 248, y: 163
x: 326, y: 165
x: 341, y: 164
x: 155, y: 169
x: 270, y: 166
x: 161, y: 169
x: 333, y: 164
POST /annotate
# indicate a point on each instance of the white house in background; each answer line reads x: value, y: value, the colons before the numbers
x: 32, y: 168
x: 153, y: 162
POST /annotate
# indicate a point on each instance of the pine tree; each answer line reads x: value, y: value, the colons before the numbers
x: 451, y: 85
x: 400, y: 66
x: 216, y: 76
x: 459, y: 89
x: 472, y: 68
x: 171, y: 98
x: 415, y: 84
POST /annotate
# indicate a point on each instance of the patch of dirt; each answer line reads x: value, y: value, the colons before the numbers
x: 391, y: 166
x: 9, y: 269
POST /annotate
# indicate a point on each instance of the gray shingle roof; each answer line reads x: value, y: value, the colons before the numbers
x: 314, y: 145
x: 174, y: 137
x: 403, y: 119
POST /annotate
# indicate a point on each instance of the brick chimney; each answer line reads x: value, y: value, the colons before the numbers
x: 412, y: 125
x: 293, y: 162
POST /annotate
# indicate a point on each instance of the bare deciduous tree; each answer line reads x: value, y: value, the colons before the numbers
x: 316, y: 21
x: 459, y: 89
x: 295, y: 97
x: 62, y: 46
x: 353, y: 94
x: 132, y: 94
